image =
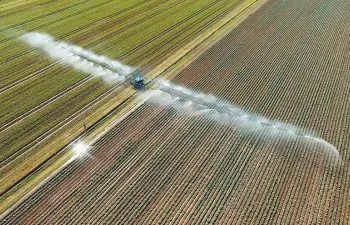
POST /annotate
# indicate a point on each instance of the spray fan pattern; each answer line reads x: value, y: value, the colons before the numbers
x: 199, y: 104
x: 168, y: 94
x: 82, y: 60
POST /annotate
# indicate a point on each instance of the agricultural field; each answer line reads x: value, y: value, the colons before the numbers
x: 171, y: 161
x: 45, y: 104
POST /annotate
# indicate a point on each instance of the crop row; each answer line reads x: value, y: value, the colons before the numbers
x: 50, y: 106
x: 172, y: 161
x: 25, y: 57
x: 294, y: 75
x: 77, y: 164
x: 22, y: 56
x: 158, y: 166
x: 27, y: 94
x: 125, y: 23
x: 104, y: 174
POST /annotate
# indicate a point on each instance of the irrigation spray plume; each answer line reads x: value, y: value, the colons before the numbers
x: 80, y: 149
x: 197, y: 104
x: 78, y: 58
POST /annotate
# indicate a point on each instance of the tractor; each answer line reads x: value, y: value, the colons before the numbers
x: 138, y: 81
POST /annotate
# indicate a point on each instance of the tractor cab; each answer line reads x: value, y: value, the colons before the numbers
x: 138, y: 81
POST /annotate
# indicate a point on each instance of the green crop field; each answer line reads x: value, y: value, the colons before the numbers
x: 45, y: 104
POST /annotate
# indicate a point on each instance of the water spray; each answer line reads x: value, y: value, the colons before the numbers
x: 80, y: 149
x: 177, y: 97
x: 78, y: 58
x: 196, y: 104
